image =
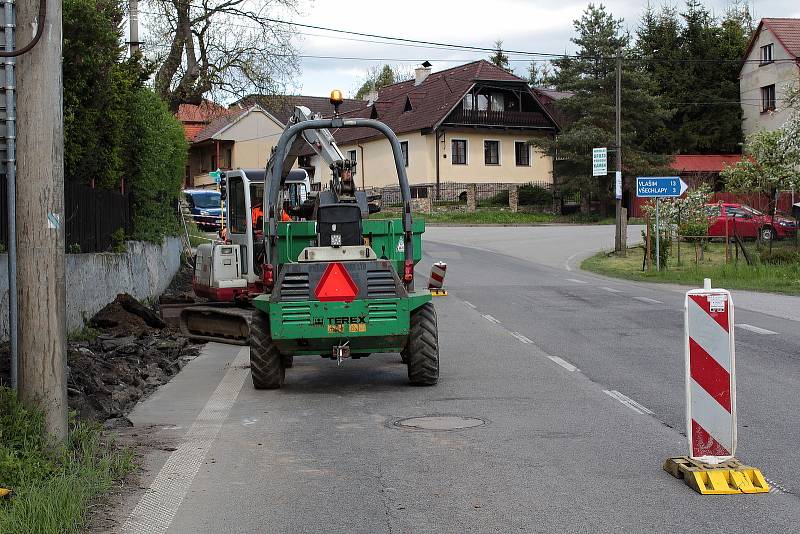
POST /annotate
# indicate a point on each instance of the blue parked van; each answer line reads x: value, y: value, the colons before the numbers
x: 206, y: 208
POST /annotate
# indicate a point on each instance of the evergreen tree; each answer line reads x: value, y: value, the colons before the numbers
x: 499, y: 57
x: 540, y: 74
x: 694, y: 61
x: 591, y: 76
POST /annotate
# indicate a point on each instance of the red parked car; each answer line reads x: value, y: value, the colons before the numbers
x: 745, y: 221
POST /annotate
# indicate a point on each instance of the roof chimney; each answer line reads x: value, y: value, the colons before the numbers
x: 372, y: 96
x: 422, y: 72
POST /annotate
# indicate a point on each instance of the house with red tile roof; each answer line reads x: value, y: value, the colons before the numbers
x: 226, y: 138
x: 772, y: 62
x: 469, y: 123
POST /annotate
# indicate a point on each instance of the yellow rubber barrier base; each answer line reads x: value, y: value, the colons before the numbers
x: 5, y: 493
x: 438, y: 292
x: 727, y: 478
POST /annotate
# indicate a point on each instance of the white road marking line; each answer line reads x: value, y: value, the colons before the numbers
x: 577, y: 281
x: 611, y: 289
x: 647, y: 300
x: 566, y: 263
x: 490, y: 318
x: 521, y: 337
x: 775, y: 487
x: 469, y: 304
x: 756, y: 329
x: 158, y: 506
x: 627, y: 401
x: 563, y: 363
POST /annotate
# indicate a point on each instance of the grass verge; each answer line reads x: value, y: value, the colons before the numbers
x: 776, y: 278
x: 496, y: 216
x: 52, y: 490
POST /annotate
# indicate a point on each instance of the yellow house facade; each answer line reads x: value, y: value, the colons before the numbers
x: 467, y: 124
x: 516, y: 161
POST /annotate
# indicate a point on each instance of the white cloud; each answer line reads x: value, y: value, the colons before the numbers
x: 529, y: 25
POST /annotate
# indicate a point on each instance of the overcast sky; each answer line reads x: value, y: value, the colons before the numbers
x: 528, y: 25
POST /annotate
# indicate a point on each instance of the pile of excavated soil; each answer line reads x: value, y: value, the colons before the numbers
x: 181, y: 285
x: 133, y: 354
x: 109, y: 375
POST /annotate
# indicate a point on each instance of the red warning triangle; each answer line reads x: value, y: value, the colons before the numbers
x: 336, y: 285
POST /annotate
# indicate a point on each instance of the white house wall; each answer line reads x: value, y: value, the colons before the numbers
x: 254, y: 134
x: 755, y: 76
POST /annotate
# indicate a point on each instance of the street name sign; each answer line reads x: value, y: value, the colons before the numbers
x: 599, y: 161
x: 660, y: 186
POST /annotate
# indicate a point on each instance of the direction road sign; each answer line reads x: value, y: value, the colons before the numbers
x: 660, y: 186
x: 599, y: 161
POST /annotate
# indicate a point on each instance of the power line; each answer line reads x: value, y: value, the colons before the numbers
x: 402, y: 41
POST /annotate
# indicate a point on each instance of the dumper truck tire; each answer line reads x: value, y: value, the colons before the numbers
x: 422, y: 350
x: 266, y: 363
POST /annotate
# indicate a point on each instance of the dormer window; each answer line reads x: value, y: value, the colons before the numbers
x: 408, y: 105
x: 766, y: 54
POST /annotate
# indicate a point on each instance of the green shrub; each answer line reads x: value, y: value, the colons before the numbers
x: 664, y: 245
x: 118, y: 241
x: 159, y: 158
x: 530, y: 195
x: 693, y: 229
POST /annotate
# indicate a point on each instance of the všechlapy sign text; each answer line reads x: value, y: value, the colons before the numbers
x: 660, y: 186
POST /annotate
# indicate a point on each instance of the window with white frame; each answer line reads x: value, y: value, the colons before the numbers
x: 768, y: 98
x: 491, y: 152
x: 522, y: 153
x: 459, y: 152
x: 766, y: 54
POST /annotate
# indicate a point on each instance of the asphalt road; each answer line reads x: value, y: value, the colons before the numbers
x: 542, y: 352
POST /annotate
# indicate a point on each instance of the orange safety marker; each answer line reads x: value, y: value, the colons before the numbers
x: 436, y: 280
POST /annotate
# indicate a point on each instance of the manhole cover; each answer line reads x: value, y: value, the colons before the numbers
x: 439, y: 422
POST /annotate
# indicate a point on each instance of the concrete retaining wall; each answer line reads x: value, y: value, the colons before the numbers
x: 93, y: 280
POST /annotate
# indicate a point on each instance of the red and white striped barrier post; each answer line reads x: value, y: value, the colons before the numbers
x: 710, y: 375
x: 711, y: 468
x: 436, y: 280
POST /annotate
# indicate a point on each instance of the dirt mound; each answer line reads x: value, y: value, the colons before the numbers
x: 109, y: 375
x: 126, y: 316
x: 181, y: 284
x: 133, y: 354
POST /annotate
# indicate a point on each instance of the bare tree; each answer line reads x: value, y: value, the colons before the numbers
x: 221, y: 47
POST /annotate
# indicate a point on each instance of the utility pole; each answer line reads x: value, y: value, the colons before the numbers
x: 40, y: 216
x: 133, y: 19
x: 619, y: 238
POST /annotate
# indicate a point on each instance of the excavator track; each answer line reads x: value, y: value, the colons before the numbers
x: 223, y: 323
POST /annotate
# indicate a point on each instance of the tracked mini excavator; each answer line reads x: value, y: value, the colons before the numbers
x: 322, y: 277
x: 229, y: 273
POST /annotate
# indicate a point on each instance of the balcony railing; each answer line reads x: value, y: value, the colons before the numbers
x: 498, y: 118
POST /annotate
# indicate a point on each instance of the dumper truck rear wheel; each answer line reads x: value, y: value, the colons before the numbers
x: 422, y: 350
x: 266, y: 363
